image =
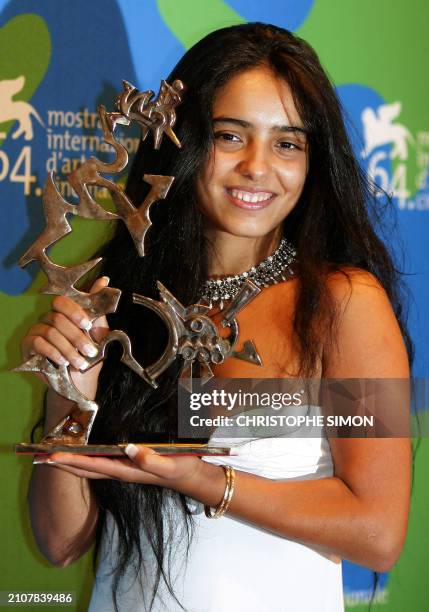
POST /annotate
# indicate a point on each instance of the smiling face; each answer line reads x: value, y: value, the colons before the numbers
x: 256, y: 170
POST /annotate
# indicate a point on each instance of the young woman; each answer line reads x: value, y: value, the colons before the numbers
x: 264, y: 157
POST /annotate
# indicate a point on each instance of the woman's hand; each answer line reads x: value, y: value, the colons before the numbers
x: 186, y: 474
x: 65, y: 336
x: 143, y: 466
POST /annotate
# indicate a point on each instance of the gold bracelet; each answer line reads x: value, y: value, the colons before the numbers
x: 227, y: 495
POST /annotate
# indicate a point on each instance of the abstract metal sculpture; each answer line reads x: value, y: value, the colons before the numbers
x: 192, y: 334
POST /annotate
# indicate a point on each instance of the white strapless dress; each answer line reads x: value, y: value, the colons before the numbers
x: 233, y: 566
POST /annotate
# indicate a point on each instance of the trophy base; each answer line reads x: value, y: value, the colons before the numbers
x: 115, y: 450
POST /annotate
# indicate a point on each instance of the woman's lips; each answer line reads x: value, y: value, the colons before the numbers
x: 250, y: 200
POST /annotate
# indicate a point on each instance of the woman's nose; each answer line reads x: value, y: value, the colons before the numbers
x: 254, y: 161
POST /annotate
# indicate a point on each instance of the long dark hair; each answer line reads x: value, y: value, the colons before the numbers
x: 331, y: 226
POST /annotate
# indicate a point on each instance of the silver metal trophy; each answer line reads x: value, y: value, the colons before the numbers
x: 192, y: 334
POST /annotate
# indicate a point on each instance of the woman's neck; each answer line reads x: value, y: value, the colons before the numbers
x: 235, y: 254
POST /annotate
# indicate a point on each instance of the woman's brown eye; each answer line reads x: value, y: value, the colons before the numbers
x: 226, y: 137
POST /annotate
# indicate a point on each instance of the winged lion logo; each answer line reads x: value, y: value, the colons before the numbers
x: 379, y: 129
x: 17, y: 110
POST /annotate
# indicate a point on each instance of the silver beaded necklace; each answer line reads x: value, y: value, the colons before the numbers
x: 275, y: 268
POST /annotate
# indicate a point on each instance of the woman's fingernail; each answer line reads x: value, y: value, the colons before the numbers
x: 106, y: 278
x: 81, y: 364
x: 42, y: 460
x: 85, y: 324
x: 64, y: 362
x: 132, y: 451
x: 90, y: 350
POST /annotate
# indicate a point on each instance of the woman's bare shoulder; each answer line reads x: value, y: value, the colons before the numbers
x: 358, y: 293
x: 369, y: 340
x: 347, y: 279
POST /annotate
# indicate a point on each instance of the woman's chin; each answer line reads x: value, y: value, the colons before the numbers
x: 248, y: 231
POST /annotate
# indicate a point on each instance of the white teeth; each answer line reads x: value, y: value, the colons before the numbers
x: 253, y: 198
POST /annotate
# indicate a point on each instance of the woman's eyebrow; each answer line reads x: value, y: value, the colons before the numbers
x: 239, y: 122
x: 296, y: 129
x: 276, y: 128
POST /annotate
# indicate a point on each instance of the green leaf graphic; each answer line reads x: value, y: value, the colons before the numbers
x: 25, y: 49
x: 190, y: 20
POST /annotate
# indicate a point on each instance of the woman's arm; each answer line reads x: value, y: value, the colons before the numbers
x: 63, y: 511
x: 361, y: 512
